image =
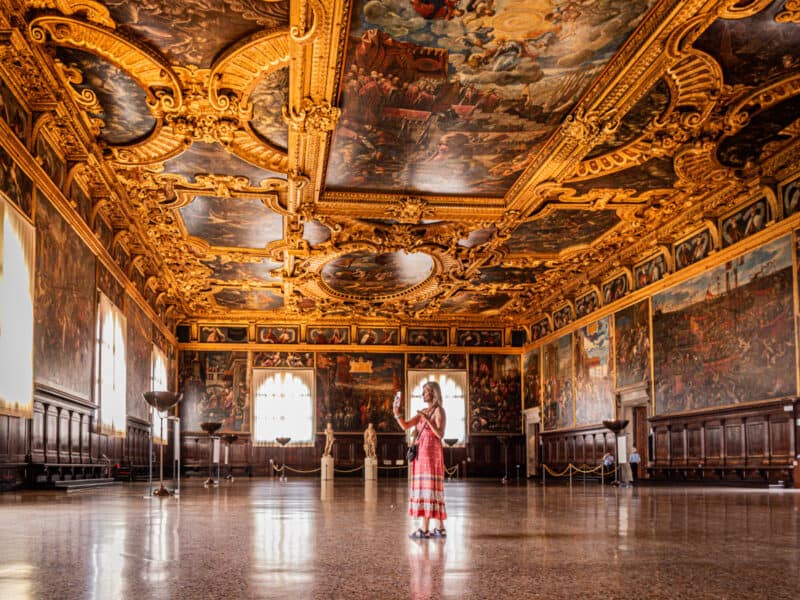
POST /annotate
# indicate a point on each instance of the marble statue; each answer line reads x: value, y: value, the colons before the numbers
x: 370, y: 442
x: 329, y: 439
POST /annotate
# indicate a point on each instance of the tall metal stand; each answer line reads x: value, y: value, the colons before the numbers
x: 211, y: 428
x: 283, y: 441
x: 176, y: 454
x: 160, y: 402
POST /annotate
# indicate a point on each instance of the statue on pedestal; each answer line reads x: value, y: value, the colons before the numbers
x: 329, y: 439
x: 370, y: 442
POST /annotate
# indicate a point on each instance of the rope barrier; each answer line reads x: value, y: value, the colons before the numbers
x: 348, y: 470
x: 394, y: 468
x: 572, y: 468
x: 317, y: 470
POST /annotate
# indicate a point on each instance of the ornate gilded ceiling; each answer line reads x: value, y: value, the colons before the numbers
x: 453, y: 162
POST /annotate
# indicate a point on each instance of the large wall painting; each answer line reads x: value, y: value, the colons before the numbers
x: 557, y: 393
x: 239, y: 222
x: 429, y: 360
x: 727, y: 336
x: 495, y: 395
x: 215, y: 387
x: 290, y: 360
x: 138, y: 358
x: 355, y: 389
x: 592, y: 366
x: 463, y: 94
x: 63, y: 306
x: 533, y: 379
x: 632, y: 344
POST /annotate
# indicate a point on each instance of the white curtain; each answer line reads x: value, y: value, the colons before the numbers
x: 158, y: 382
x: 110, y: 368
x: 454, y: 398
x: 17, y: 255
x: 283, y: 406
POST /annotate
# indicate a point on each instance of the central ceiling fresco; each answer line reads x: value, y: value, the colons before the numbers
x: 475, y: 163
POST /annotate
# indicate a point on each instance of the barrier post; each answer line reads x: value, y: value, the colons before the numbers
x: 569, y: 467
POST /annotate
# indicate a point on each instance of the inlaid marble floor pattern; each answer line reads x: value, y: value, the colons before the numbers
x: 261, y: 538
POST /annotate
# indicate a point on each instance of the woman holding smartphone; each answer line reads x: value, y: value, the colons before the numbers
x: 427, y: 471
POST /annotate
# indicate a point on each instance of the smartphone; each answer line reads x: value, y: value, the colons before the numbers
x: 397, y: 398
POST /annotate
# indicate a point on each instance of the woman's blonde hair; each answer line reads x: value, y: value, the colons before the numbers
x: 433, y: 386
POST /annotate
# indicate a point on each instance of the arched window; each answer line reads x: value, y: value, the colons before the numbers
x: 283, y: 406
x: 454, y: 399
x: 158, y: 382
x: 110, y: 367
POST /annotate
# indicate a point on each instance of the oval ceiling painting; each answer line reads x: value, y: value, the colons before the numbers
x: 369, y: 274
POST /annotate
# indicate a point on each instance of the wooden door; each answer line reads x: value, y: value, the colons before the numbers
x: 640, y: 427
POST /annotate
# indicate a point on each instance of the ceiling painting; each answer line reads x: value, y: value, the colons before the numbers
x: 251, y: 300
x: 225, y: 270
x: 315, y: 233
x: 120, y: 101
x: 202, y: 158
x: 655, y: 174
x: 369, y: 274
x: 268, y: 98
x: 233, y: 222
x: 451, y: 99
x: 196, y: 31
x: 507, y: 275
x: 561, y: 229
x: 477, y: 237
x: 474, y: 303
x: 754, y: 50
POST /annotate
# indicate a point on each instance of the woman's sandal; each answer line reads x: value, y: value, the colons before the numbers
x: 439, y: 533
x: 419, y: 535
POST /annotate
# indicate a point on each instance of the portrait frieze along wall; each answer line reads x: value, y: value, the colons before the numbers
x: 442, y: 99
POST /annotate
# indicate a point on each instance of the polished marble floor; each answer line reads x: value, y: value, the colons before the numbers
x: 261, y: 538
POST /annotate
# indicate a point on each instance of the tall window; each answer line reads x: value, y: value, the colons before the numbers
x: 454, y: 399
x: 283, y: 405
x: 158, y: 382
x: 110, y: 367
x: 17, y: 250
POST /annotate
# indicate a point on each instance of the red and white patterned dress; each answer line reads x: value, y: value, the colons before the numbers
x: 427, y: 476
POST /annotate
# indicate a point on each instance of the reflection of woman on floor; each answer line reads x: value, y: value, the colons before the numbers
x: 427, y: 471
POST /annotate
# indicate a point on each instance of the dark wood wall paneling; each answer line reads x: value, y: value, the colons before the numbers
x: 579, y: 447
x: 755, y: 442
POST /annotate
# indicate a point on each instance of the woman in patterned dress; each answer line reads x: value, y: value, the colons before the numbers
x: 427, y: 471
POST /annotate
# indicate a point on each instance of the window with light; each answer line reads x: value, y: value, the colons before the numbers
x: 283, y: 406
x: 454, y: 399
x: 158, y: 382
x: 17, y: 252
x: 110, y: 367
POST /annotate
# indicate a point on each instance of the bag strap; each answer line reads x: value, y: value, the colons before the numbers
x: 424, y: 425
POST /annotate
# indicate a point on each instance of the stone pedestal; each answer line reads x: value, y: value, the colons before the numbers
x: 370, y: 469
x: 326, y: 472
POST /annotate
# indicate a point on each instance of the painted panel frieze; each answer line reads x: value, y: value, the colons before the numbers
x: 540, y: 329
x: 268, y: 98
x: 122, y: 102
x: 121, y: 257
x: 13, y: 112
x: 561, y: 229
x: 431, y: 360
x: 288, y: 360
x: 104, y: 232
x: 81, y: 200
x: 224, y: 270
x: 562, y: 317
x: 365, y: 273
x: 650, y: 271
x: 495, y: 394
x: 420, y: 336
x: 790, y: 197
x: 632, y: 344
x: 15, y: 183
x: 479, y: 337
x: 215, y: 388
x: 223, y: 334
x: 355, y: 389
x: 268, y: 334
x: 51, y: 161
x: 237, y: 299
x: 615, y: 289
x: 533, y: 379
x: 474, y: 303
x: 586, y: 304
x: 182, y: 30
x: 727, y: 336
x: 203, y: 158
x: 242, y: 222
x: 328, y: 335
x: 594, y: 401
x: 64, y: 305
x: 463, y: 95
x: 692, y: 250
x: 138, y: 359
x: 655, y: 174
x: 769, y: 48
x: 378, y: 336
x: 744, y: 223
x: 558, y: 398
x: 109, y: 285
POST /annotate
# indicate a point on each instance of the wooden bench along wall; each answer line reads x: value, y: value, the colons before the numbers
x: 584, y: 446
x: 756, y: 442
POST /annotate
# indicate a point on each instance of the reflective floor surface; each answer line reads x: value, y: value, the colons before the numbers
x: 261, y: 538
